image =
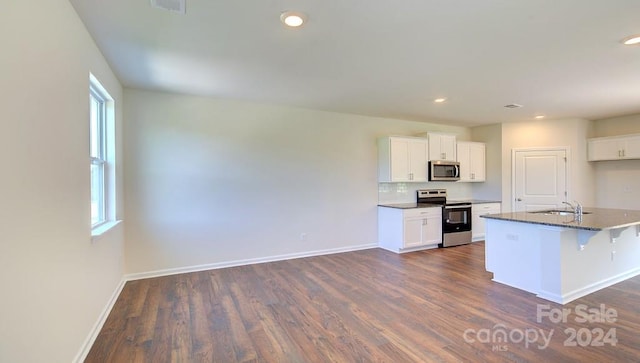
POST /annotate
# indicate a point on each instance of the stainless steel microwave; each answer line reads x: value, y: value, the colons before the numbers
x: 443, y: 170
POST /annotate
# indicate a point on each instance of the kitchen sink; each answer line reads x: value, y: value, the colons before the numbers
x: 557, y: 212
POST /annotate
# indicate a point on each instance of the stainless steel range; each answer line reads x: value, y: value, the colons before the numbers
x: 456, y: 217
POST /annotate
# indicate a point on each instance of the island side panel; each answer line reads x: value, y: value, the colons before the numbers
x: 556, y: 244
x: 512, y: 254
x: 600, y: 264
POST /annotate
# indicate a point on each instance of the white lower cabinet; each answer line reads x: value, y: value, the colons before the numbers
x: 405, y: 230
x: 477, y: 223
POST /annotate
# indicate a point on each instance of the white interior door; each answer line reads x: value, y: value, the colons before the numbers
x: 539, y: 179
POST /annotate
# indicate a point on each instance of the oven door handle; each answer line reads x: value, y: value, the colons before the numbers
x: 458, y: 206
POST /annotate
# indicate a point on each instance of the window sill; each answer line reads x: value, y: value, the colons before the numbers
x: 101, y: 230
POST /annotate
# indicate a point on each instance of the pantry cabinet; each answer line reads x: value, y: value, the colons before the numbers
x: 613, y: 148
x: 477, y: 222
x: 442, y: 146
x: 402, y: 159
x: 404, y: 230
x: 471, y: 156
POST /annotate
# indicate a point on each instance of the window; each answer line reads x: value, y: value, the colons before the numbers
x: 101, y: 121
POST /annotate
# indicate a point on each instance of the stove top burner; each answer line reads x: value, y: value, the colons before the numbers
x: 436, y: 196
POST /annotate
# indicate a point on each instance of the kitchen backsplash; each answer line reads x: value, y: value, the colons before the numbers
x: 406, y: 192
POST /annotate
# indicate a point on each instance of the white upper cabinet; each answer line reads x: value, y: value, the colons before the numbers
x: 402, y: 159
x: 442, y: 146
x: 471, y: 156
x: 614, y: 148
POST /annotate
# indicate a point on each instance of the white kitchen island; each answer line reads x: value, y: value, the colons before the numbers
x: 560, y: 257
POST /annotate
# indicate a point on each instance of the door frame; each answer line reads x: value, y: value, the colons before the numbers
x: 567, y: 170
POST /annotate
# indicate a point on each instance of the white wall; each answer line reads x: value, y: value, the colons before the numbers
x: 615, y: 126
x: 55, y: 281
x: 213, y: 181
x: 618, y: 182
x: 572, y: 133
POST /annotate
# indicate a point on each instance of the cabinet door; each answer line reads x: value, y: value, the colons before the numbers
x: 442, y: 146
x: 477, y: 162
x: 399, y: 158
x: 413, y: 228
x: 464, y: 160
x: 471, y: 156
x: 422, y: 227
x: 418, y: 153
x: 631, y: 149
x: 448, y: 147
x: 603, y: 149
x: 432, y: 231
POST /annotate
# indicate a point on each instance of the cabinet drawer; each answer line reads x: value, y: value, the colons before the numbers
x: 423, y: 212
x: 486, y: 208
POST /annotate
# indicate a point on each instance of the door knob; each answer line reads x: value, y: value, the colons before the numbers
x: 519, y: 199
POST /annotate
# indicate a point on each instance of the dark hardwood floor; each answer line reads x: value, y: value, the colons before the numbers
x: 365, y: 306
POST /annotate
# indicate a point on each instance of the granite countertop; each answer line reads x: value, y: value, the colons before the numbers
x: 596, y: 219
x: 430, y: 205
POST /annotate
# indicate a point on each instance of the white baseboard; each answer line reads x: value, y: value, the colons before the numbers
x: 407, y: 250
x: 93, y: 334
x: 250, y: 261
x: 576, y: 294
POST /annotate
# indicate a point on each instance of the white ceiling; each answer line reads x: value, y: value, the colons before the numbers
x: 560, y: 58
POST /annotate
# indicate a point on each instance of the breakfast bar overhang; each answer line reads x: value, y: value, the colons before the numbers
x: 561, y: 257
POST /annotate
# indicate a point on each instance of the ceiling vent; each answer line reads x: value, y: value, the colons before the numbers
x: 176, y: 6
x: 513, y: 105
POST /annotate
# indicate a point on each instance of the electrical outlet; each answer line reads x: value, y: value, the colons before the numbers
x: 303, y: 236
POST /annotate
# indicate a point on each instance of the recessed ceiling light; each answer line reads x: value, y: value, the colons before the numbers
x: 177, y: 6
x: 539, y: 117
x: 292, y: 19
x: 513, y: 105
x: 440, y: 100
x: 632, y: 40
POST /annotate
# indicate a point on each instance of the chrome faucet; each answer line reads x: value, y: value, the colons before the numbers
x: 577, y: 209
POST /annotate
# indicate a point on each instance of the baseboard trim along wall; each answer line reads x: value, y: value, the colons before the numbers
x: 576, y: 294
x: 250, y: 261
x: 93, y: 334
